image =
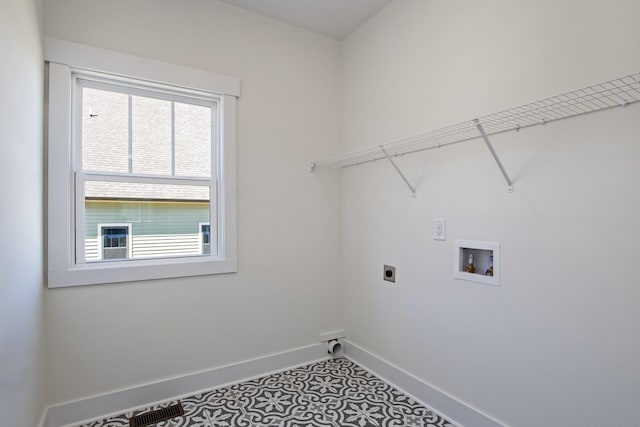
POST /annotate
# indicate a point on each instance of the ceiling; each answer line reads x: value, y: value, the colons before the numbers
x: 333, y: 18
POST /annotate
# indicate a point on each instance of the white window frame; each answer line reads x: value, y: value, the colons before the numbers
x: 114, y: 225
x: 84, y: 79
x: 65, y: 60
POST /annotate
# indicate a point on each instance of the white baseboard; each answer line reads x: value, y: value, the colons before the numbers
x: 43, y: 416
x: 333, y: 335
x: 451, y: 408
x: 117, y: 402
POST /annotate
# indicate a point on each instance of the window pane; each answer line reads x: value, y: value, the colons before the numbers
x: 193, y: 140
x: 206, y: 238
x: 114, y: 242
x: 114, y: 237
x: 151, y: 135
x: 165, y: 219
x: 105, y: 131
x: 206, y: 233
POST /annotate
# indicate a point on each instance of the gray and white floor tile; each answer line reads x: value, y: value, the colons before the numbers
x: 330, y: 393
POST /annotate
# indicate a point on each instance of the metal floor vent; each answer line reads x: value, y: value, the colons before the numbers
x: 154, y: 417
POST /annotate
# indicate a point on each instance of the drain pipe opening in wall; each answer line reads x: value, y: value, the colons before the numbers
x: 334, y: 348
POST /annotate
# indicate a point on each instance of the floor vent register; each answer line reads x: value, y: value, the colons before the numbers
x: 154, y: 417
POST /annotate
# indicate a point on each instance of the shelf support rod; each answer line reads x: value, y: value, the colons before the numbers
x: 404, y: 178
x: 494, y: 154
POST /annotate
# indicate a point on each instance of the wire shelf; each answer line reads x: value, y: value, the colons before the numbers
x: 618, y: 92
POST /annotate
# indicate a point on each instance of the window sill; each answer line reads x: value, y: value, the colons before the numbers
x: 131, y: 271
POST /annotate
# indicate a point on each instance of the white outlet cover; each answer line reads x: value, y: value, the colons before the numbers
x: 439, y: 229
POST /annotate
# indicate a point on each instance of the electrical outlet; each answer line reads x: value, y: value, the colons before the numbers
x: 439, y: 229
x: 389, y: 273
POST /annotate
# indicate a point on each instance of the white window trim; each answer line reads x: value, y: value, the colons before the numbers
x: 64, y: 58
x: 82, y: 79
x: 118, y: 224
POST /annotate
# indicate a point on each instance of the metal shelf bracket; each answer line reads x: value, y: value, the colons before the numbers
x: 404, y: 178
x: 494, y: 154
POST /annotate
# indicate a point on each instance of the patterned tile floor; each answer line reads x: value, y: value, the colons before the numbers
x: 328, y: 393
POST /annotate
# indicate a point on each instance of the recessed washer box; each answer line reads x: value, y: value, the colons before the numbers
x: 483, y: 253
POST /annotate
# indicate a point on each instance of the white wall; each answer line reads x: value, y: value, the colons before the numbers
x: 557, y: 343
x: 106, y: 337
x: 21, y: 153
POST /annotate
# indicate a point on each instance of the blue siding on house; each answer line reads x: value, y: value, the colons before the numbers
x: 158, y: 228
x: 146, y: 217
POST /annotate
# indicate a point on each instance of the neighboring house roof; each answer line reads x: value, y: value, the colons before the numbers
x: 152, y: 148
x: 126, y: 190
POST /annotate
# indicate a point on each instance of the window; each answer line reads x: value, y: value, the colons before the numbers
x: 115, y: 241
x: 141, y: 170
x: 205, y: 238
x: 146, y: 157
